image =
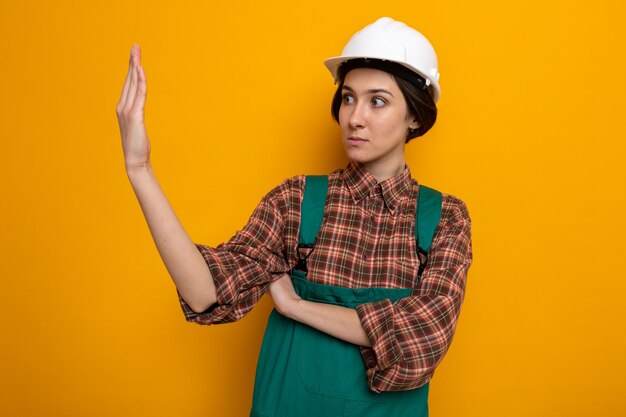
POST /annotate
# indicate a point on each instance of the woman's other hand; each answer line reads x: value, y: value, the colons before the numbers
x: 130, y: 114
x: 337, y: 321
x: 284, y: 295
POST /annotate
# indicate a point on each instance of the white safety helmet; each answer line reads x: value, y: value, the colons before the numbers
x: 389, y: 40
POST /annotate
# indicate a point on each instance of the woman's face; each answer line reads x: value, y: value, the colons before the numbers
x: 374, y: 121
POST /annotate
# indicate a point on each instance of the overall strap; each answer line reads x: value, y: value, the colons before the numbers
x: 427, y: 216
x: 312, y: 211
x: 311, y: 216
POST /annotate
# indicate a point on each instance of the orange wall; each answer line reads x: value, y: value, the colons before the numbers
x: 531, y: 135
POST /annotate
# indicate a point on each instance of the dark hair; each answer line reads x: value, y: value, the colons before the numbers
x: 419, y: 101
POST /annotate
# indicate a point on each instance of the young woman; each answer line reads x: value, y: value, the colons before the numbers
x: 367, y: 304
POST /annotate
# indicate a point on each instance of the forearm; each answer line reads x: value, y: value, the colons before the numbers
x: 183, y: 261
x: 337, y: 321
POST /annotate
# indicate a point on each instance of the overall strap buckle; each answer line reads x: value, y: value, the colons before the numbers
x: 302, y: 258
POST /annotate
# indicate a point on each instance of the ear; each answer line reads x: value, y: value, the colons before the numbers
x: 414, y: 124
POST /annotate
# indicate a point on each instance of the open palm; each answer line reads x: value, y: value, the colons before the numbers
x: 130, y: 114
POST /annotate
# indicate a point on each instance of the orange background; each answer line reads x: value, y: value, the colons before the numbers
x: 530, y: 134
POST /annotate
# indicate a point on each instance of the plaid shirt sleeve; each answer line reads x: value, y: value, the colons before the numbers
x: 410, y: 337
x: 243, y: 267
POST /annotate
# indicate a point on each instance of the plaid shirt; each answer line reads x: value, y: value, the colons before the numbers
x: 366, y: 240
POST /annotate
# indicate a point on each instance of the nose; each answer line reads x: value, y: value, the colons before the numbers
x: 357, y: 116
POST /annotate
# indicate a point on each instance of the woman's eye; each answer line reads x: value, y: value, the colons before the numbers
x: 378, y: 102
x: 348, y: 99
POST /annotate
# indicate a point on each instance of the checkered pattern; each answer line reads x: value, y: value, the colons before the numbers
x: 366, y: 240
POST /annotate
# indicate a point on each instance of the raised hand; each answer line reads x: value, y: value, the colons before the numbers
x: 130, y: 114
x: 182, y: 258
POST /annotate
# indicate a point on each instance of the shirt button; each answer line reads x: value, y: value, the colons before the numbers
x: 364, y: 256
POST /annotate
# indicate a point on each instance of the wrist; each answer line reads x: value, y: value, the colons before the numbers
x: 294, y: 309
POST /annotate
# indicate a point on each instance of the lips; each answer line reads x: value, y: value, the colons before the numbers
x: 355, y: 140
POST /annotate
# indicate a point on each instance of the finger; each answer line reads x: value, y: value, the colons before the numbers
x: 142, y: 89
x: 124, y: 95
x: 137, y: 55
x: 132, y: 89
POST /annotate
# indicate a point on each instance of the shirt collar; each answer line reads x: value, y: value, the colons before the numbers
x: 361, y: 183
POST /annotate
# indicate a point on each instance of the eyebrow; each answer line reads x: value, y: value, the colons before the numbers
x: 371, y: 91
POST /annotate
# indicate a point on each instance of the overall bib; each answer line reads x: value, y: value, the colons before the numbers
x: 303, y: 372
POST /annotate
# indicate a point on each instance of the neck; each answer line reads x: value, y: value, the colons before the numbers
x: 384, y: 171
